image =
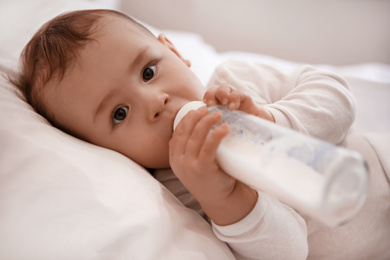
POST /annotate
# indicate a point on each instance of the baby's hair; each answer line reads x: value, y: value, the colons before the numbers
x: 53, y: 49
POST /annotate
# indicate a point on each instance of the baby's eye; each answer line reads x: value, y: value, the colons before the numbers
x: 149, y: 72
x: 119, y: 115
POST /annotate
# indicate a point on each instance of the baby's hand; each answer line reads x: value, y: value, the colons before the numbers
x: 192, y: 156
x: 235, y: 99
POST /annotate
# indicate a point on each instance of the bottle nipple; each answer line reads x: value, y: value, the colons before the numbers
x: 193, y: 105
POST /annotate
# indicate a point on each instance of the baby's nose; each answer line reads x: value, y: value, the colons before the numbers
x: 158, y: 106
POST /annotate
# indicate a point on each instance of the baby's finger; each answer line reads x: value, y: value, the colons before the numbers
x: 209, y: 149
x: 184, y: 130
x: 222, y: 94
x: 200, y: 133
x: 209, y: 97
x: 236, y: 98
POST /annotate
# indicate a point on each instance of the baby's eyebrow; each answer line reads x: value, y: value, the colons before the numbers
x: 140, y: 56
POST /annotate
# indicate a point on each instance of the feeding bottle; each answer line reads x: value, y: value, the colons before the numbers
x: 318, y: 179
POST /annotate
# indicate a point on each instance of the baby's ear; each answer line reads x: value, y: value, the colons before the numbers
x: 164, y: 40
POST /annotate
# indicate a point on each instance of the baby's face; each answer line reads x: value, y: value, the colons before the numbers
x: 124, y: 91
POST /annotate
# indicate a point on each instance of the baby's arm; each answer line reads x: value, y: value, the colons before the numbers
x: 193, y: 159
x: 255, y: 227
x: 305, y: 99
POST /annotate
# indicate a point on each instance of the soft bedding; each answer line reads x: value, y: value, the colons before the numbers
x: 62, y: 198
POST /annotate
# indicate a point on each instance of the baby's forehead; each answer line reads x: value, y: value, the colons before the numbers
x: 108, y: 34
x: 112, y: 21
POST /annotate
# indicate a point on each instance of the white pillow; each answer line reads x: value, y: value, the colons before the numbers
x: 62, y: 198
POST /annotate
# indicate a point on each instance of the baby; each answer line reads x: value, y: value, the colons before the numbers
x: 104, y: 78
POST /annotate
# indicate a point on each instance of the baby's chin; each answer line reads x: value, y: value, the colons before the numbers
x: 162, y: 162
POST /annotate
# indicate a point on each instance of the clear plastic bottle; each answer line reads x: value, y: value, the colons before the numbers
x: 318, y: 179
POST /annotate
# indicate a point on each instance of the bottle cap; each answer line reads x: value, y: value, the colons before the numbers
x: 194, y: 105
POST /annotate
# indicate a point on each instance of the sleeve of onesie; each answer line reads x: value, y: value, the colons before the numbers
x: 307, y: 100
x: 271, y: 231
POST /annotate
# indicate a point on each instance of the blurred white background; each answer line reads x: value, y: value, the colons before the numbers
x: 310, y: 31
